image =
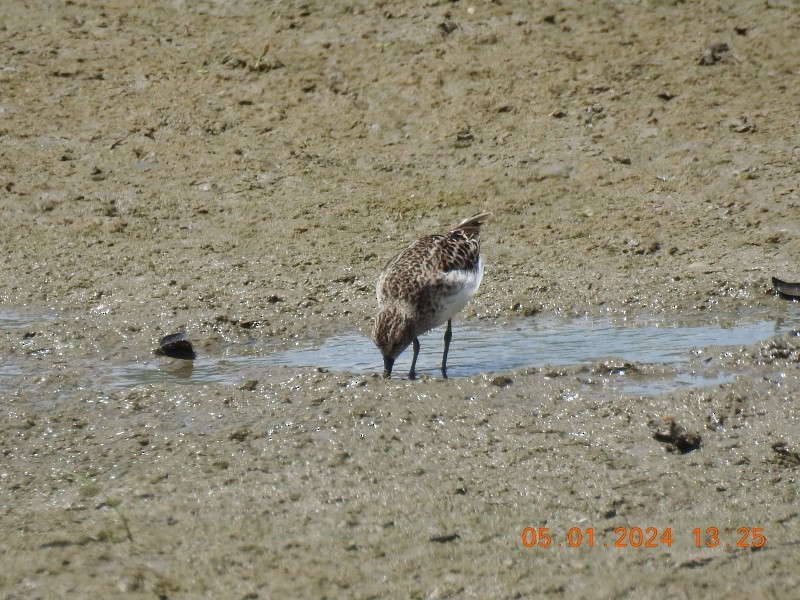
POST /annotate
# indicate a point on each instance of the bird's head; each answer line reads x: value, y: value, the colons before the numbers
x: 392, y: 333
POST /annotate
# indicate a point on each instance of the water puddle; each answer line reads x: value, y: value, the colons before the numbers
x: 11, y: 320
x: 482, y: 348
x: 655, y: 386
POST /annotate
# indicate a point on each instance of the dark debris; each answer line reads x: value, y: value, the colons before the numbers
x: 677, y: 438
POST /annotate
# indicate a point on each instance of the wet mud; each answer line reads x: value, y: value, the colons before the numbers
x: 241, y: 171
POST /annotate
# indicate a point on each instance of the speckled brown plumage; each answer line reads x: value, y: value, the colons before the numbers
x: 424, y: 286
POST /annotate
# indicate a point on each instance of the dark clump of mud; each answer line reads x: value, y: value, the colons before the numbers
x: 677, y: 438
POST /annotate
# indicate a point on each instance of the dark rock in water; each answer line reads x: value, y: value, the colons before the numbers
x: 786, y: 289
x: 176, y: 345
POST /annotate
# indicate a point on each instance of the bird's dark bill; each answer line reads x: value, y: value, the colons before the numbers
x: 388, y: 363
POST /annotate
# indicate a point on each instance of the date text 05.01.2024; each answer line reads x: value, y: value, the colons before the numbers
x: 648, y: 537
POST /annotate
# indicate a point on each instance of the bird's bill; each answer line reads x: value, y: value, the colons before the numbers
x: 388, y: 363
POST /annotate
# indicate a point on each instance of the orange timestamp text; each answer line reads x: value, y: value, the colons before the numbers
x: 639, y: 537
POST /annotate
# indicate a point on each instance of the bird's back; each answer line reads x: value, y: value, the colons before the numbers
x: 436, y: 275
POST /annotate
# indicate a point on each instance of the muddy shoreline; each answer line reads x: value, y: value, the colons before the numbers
x: 160, y: 174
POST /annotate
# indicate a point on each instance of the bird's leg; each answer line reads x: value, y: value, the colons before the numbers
x: 448, y: 335
x: 411, y: 373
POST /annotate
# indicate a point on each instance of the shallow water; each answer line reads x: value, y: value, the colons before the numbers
x: 10, y: 319
x: 492, y: 348
x: 476, y: 348
x: 482, y: 348
x: 15, y: 367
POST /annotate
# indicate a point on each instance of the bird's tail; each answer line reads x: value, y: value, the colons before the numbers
x: 472, y: 225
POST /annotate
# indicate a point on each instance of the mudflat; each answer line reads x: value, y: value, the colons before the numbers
x: 242, y: 171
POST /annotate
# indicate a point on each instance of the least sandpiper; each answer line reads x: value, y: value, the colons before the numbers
x: 424, y: 286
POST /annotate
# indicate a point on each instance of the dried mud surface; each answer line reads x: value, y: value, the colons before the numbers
x: 157, y: 173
